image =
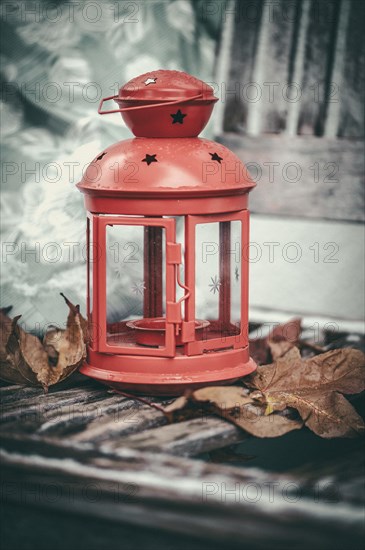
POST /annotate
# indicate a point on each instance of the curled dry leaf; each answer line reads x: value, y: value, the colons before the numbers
x: 326, y: 414
x: 233, y: 403
x: 284, y: 337
x: 314, y: 387
x: 9, y: 350
x: 75, y: 310
x: 24, y: 359
x: 183, y: 408
x: 33, y: 364
x: 280, y: 340
x: 340, y: 370
x: 265, y: 407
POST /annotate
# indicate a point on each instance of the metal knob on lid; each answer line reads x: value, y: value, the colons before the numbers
x: 164, y: 104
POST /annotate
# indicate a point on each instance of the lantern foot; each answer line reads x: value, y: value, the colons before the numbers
x: 168, y: 376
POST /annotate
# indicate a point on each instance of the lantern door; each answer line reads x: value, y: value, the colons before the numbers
x: 217, y: 276
x: 134, y: 280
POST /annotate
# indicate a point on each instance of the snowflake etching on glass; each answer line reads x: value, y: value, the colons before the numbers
x: 138, y: 288
x: 118, y: 271
x: 215, y: 284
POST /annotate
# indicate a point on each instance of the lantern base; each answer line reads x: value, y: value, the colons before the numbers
x: 168, y: 376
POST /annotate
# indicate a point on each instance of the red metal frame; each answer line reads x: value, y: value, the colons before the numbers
x: 240, y: 340
x: 100, y: 344
x: 161, y: 206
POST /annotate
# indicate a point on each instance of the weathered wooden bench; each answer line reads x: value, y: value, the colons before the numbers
x: 86, y: 467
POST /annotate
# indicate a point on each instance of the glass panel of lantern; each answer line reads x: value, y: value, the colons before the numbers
x: 218, y: 272
x: 135, y: 285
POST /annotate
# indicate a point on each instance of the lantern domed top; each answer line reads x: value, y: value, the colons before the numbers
x: 164, y: 104
x: 157, y: 172
x: 165, y: 85
x: 160, y: 168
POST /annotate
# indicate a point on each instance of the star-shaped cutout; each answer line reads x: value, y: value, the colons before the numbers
x: 150, y: 81
x: 101, y: 156
x: 149, y: 159
x: 178, y: 117
x: 216, y: 157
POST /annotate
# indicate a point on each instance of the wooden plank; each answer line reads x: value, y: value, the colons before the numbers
x: 179, y: 495
x: 132, y: 419
x: 11, y: 394
x: 72, y: 419
x: 46, y: 403
x: 99, y: 416
x: 187, y: 438
x: 304, y: 176
x: 103, y: 420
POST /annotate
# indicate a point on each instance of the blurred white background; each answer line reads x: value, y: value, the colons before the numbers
x: 58, y: 61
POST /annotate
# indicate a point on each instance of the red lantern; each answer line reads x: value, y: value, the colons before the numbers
x: 168, y: 231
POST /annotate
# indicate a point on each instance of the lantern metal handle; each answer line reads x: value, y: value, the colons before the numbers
x: 148, y: 106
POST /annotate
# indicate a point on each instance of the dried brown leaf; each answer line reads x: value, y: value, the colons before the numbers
x: 340, y: 370
x: 69, y: 344
x: 314, y: 387
x: 24, y: 359
x: 34, y: 359
x: 326, y: 414
x: 225, y: 397
x: 5, y: 333
x: 184, y: 408
x: 260, y: 351
x: 235, y: 405
x: 76, y: 312
x: 280, y: 340
x: 9, y: 350
x: 253, y: 420
x: 284, y: 337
